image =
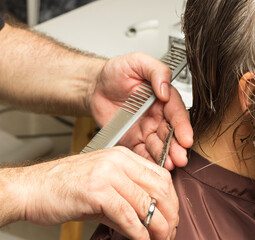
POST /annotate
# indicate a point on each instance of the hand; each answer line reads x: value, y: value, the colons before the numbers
x: 119, y: 78
x: 147, y: 137
x: 112, y: 186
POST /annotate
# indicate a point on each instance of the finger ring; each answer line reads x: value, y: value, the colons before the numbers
x: 150, y: 213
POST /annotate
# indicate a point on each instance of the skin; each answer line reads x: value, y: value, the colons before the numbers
x: 40, y: 75
x: 223, y: 152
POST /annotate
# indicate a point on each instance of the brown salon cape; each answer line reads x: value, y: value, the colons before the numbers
x: 215, y: 203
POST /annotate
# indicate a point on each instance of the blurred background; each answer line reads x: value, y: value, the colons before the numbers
x: 31, y: 135
x: 47, y: 8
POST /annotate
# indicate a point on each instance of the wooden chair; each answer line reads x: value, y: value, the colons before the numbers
x: 83, y: 131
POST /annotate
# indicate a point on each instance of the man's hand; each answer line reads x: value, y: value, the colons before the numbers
x: 119, y: 78
x: 147, y: 136
x: 112, y: 186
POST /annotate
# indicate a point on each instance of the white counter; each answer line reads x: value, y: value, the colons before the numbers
x: 100, y: 26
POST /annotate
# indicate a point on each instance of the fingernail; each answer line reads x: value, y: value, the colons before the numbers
x: 165, y: 90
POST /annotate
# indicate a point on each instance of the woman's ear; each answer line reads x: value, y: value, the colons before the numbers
x: 246, y: 90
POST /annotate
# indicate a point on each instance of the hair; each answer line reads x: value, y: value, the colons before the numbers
x: 220, y: 43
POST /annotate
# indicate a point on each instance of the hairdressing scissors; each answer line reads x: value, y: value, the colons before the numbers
x: 166, y: 146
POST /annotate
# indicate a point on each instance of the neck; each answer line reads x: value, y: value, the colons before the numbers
x: 222, y: 150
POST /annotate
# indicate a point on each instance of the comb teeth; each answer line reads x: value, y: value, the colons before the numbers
x: 175, y: 56
x: 138, y: 98
x: 108, y: 135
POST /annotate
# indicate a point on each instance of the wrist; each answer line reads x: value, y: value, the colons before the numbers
x: 96, y: 68
x: 12, y: 196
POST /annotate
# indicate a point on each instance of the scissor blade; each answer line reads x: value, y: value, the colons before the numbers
x: 165, y: 150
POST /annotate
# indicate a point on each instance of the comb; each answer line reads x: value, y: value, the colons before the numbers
x: 139, y: 101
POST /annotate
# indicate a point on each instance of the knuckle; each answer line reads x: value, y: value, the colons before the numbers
x: 164, y: 230
x: 142, y: 234
x: 129, y: 216
x: 106, y: 167
x: 121, y: 149
x: 167, y: 176
x: 131, y: 222
x: 166, y: 70
x: 113, y: 155
x: 145, y: 206
x: 165, y: 189
x: 163, y: 193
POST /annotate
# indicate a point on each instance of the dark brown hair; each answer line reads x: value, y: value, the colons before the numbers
x: 220, y: 42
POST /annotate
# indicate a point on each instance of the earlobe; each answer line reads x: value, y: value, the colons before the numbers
x: 246, y: 90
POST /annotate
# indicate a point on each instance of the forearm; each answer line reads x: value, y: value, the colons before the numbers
x: 41, y: 75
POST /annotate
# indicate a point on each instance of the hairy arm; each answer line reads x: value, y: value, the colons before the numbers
x: 41, y: 75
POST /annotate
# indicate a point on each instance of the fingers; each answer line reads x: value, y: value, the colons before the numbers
x: 178, y: 117
x: 135, y: 181
x: 177, y: 153
x: 141, y: 150
x: 156, y: 72
x: 157, y: 184
x: 176, y: 114
x: 140, y: 201
x: 174, y: 111
x: 121, y: 216
x: 160, y: 81
x: 154, y: 146
x: 113, y: 186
